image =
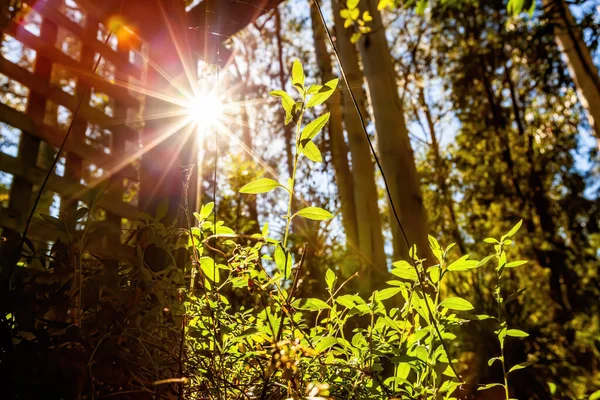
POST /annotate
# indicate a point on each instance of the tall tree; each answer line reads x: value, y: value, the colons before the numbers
x: 370, y: 236
x: 514, y: 154
x: 584, y: 72
x: 393, y: 142
x: 337, y: 142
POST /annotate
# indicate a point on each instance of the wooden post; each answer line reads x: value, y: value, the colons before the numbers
x: 21, y: 193
x: 166, y: 149
x: 118, y: 142
x: 74, y: 163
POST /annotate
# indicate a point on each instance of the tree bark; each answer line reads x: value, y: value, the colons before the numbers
x: 337, y: 143
x: 579, y: 60
x: 370, y: 236
x: 395, y: 150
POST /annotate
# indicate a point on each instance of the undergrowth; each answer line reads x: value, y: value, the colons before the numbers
x: 205, y: 313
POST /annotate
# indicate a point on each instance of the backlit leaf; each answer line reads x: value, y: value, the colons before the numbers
x: 522, y: 365
x: 298, y: 76
x: 315, y: 213
x: 323, y: 94
x: 313, y: 128
x: 516, y: 333
x: 456, y: 303
x: 311, y: 304
x: 261, y: 185
x: 312, y: 152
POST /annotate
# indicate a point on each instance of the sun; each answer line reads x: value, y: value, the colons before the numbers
x: 205, y: 109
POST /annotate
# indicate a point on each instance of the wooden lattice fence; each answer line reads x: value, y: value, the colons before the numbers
x: 45, y: 70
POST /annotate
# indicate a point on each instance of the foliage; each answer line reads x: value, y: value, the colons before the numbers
x: 160, y: 320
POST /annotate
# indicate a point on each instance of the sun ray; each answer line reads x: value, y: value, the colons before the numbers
x: 188, y: 129
x: 118, y: 165
x: 177, y: 44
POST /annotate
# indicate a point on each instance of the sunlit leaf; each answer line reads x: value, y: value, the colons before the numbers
x: 298, y: 76
x: 404, y: 270
x: 456, y: 303
x: 521, y: 365
x: 261, y: 185
x: 387, y: 293
x: 463, y: 264
x: 209, y: 269
x: 512, y: 231
x: 489, y: 386
x: 315, y: 213
x: 514, y: 264
x: 323, y: 94
x: 516, y: 333
x: 330, y: 278
x: 311, y: 304
x: 313, y: 128
x: 325, y: 343
x: 312, y: 152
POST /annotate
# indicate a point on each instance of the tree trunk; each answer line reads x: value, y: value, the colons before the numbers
x: 337, y: 143
x: 370, y: 236
x: 395, y: 150
x: 579, y: 60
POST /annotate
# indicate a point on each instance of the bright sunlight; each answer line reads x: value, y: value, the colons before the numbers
x: 205, y: 109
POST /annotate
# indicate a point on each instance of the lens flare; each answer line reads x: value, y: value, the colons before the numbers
x: 205, y: 109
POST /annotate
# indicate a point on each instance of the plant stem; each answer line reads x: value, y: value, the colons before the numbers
x: 293, y: 181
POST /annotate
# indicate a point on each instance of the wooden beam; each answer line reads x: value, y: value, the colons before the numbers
x: 114, y: 90
x: 41, y: 231
x: 54, y: 138
x: 58, y: 96
x: 65, y: 187
x: 49, y: 9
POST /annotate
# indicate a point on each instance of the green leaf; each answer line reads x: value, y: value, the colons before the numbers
x: 348, y: 300
x: 311, y: 151
x: 261, y: 185
x: 514, y: 264
x: 521, y: 366
x: 209, y: 269
x: 248, y: 332
x: 315, y: 213
x: 512, y: 231
x: 463, y: 264
x: 492, y: 360
x: 489, y: 386
x: 434, y: 273
x: 310, y: 304
x: 205, y: 211
x: 313, y: 128
x: 323, y: 94
x: 283, y: 261
x: 595, y: 395
x: 515, y: 7
x: 387, y: 293
x: 325, y: 343
x: 298, y: 76
x: 286, y: 100
x: 516, y: 333
x: 421, y: 7
x: 330, y: 279
x: 352, y: 4
x: 404, y: 270
x: 456, y: 303
x: 491, y: 240
x: 162, y: 209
